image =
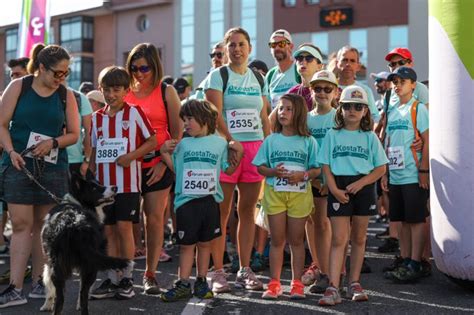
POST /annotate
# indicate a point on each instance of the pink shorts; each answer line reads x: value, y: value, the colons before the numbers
x: 246, y: 172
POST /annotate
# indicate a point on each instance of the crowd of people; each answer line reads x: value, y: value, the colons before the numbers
x: 302, y: 145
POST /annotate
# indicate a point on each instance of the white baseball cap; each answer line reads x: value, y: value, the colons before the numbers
x: 96, y: 96
x: 282, y: 33
x: 310, y: 50
x: 354, y: 94
x: 324, y: 75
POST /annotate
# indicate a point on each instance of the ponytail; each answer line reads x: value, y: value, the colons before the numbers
x: 47, y: 55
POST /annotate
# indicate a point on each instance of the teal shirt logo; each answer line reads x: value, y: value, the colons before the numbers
x: 348, y: 150
x: 237, y: 90
x: 399, y: 124
x: 288, y: 156
x: 318, y: 133
x: 200, y: 156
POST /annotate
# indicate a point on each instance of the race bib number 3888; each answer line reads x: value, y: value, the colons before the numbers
x: 108, y: 150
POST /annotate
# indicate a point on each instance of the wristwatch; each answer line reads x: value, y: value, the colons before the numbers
x: 86, y: 160
x: 306, y: 176
x: 55, y: 143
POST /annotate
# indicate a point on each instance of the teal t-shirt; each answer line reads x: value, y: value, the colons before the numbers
x: 320, y: 124
x: 199, y: 92
x: 351, y: 152
x: 242, y: 104
x: 197, y: 164
x: 75, y: 152
x: 41, y: 115
x: 374, y: 112
x: 400, y: 136
x: 421, y: 93
x: 280, y: 84
x: 296, y: 152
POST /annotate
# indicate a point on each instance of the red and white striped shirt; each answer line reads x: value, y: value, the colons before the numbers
x: 130, y: 123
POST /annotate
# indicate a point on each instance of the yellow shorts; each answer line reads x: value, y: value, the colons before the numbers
x: 296, y: 204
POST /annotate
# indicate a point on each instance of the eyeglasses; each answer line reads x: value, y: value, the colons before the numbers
x: 319, y: 89
x: 400, y: 62
x: 142, y: 69
x: 58, y: 74
x: 281, y: 44
x: 219, y: 55
x: 308, y: 58
x: 357, y: 106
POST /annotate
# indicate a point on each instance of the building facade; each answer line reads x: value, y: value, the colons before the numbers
x: 185, y: 30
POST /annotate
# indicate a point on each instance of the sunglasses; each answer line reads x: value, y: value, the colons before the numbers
x: 142, y: 69
x: 308, y: 58
x: 57, y: 74
x: 400, y: 62
x: 281, y: 44
x: 219, y: 55
x: 326, y: 89
x: 357, y: 106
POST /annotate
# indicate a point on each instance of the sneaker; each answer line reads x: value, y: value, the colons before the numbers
x: 11, y: 297
x: 105, y: 290
x: 273, y: 291
x: 320, y: 285
x: 258, y: 262
x: 408, y: 274
x: 397, y: 262
x: 140, y: 253
x: 180, y: 290
x: 356, y: 293
x: 310, y: 275
x: 150, y: 286
x: 390, y: 275
x: 201, y: 289
x: 125, y: 289
x: 297, y: 290
x: 342, y: 284
x: 365, y: 267
x: 235, y: 266
x: 38, y: 291
x: 383, y: 235
x: 219, y: 282
x: 164, y: 257
x: 390, y: 245
x: 425, y: 268
x: 5, y: 277
x: 331, y: 297
x: 246, y: 279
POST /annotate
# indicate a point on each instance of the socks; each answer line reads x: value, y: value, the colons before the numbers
x: 113, y: 276
x: 127, y: 272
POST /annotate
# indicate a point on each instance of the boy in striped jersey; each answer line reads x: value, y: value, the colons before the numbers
x: 121, y: 135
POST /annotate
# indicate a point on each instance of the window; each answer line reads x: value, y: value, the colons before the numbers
x: 77, y: 34
x: 397, y: 37
x: 82, y: 69
x: 11, y: 45
x: 249, y: 23
x: 187, y: 32
x: 217, y: 21
x: 312, y: 1
x: 289, y: 3
x: 321, y: 40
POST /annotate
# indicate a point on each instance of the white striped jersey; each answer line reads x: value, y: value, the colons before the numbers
x: 130, y: 123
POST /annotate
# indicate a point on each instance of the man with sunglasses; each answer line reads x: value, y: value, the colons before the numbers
x: 283, y: 76
x: 381, y: 86
x: 399, y: 57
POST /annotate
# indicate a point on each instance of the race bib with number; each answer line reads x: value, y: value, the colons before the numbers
x: 282, y: 184
x: 36, y: 138
x: 396, y: 158
x: 242, y: 120
x: 199, y: 182
x: 108, y: 150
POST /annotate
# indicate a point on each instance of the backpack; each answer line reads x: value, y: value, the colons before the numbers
x: 272, y: 72
x: 225, y: 78
x: 414, y: 114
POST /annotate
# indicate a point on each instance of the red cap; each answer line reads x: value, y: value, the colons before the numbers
x: 404, y: 52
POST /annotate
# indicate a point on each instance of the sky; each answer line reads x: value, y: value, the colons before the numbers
x: 10, y: 10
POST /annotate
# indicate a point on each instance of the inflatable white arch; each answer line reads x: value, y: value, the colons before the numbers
x: 451, y: 58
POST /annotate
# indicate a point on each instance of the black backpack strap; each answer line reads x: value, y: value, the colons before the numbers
x: 225, y: 77
x: 26, y: 83
x: 388, y: 94
x: 260, y: 79
x: 77, y: 95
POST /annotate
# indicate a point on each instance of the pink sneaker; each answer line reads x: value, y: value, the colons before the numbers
x: 297, y: 290
x: 164, y: 257
x: 219, y: 282
x: 356, y: 293
x: 273, y: 291
x: 310, y: 275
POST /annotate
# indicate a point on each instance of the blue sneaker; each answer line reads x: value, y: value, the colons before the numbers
x: 181, y: 290
x: 11, y: 297
x: 201, y: 289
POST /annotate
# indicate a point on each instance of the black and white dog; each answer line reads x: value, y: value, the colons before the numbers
x: 73, y: 239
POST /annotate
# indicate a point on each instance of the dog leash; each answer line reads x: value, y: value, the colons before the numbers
x: 38, y: 166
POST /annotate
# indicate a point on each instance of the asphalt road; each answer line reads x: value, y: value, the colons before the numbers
x: 433, y: 295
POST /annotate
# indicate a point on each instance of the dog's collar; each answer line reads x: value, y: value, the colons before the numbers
x: 68, y: 198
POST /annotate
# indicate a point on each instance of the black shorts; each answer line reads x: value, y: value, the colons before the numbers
x: 166, y: 181
x: 316, y: 193
x: 408, y: 203
x: 379, y: 188
x: 362, y: 203
x: 126, y: 207
x: 198, y: 220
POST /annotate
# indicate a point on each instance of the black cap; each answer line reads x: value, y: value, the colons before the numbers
x: 167, y: 79
x: 259, y: 65
x: 86, y: 87
x: 404, y: 73
x: 180, y: 84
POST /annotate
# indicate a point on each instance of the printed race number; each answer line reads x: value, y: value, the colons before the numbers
x: 199, y: 182
x: 396, y: 158
x: 108, y: 150
x: 282, y: 184
x: 242, y: 120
